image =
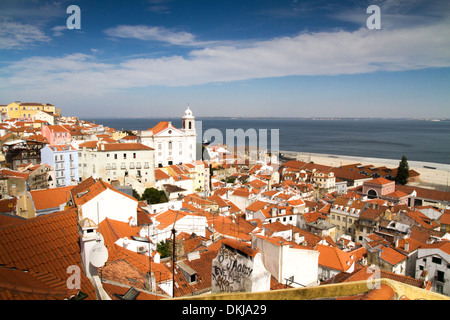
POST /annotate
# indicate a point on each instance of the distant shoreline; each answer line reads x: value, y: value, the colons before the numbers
x: 432, y: 175
x: 278, y: 118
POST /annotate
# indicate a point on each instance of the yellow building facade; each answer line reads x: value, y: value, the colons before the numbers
x: 20, y: 110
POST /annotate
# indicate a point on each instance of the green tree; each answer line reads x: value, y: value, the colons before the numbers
x: 153, y: 196
x: 136, y: 195
x: 402, y: 172
x: 164, y: 248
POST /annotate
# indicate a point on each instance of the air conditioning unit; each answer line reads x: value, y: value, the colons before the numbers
x: 142, y: 249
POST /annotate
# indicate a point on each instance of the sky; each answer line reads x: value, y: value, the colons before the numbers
x: 238, y: 58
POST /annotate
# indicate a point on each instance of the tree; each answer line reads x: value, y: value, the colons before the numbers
x: 402, y: 172
x: 153, y: 196
x: 164, y: 249
x: 136, y: 195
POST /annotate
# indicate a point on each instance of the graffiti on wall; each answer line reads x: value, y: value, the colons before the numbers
x: 230, y: 271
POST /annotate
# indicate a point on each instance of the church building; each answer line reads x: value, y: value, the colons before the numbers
x: 172, y: 145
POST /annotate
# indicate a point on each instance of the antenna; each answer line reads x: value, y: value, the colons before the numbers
x: 173, y: 256
x: 149, y: 256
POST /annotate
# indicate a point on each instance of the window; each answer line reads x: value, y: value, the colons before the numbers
x: 115, y: 155
x: 134, y: 155
x: 440, y: 276
x: 124, y: 155
x: 436, y: 260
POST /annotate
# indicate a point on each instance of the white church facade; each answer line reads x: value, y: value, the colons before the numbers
x: 172, y: 145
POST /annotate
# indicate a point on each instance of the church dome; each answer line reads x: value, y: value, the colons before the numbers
x: 188, y: 113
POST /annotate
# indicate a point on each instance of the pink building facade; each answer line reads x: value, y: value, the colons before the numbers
x: 56, y: 134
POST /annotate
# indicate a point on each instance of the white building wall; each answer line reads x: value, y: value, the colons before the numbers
x: 300, y: 264
x: 189, y: 224
x: 111, y: 165
x: 284, y: 262
x: 110, y: 204
x: 425, y: 262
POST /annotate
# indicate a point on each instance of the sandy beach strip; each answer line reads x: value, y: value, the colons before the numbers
x: 432, y: 175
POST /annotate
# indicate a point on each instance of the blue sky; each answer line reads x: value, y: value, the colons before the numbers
x: 150, y: 58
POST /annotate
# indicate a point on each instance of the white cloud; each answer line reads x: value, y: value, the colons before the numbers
x: 325, y: 53
x: 58, y: 30
x: 16, y: 35
x: 150, y: 33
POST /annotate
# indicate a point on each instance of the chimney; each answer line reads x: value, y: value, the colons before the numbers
x: 274, y: 212
x: 406, y: 246
x: 87, y: 232
x: 150, y: 282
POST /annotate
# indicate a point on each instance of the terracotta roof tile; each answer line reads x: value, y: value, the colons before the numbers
x: 392, y: 256
x: 334, y: 258
x: 36, y: 245
x: 50, y: 198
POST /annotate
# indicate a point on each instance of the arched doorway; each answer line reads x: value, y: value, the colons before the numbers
x: 372, y: 194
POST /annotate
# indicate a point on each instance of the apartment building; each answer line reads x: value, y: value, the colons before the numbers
x: 127, y: 163
x: 64, y: 160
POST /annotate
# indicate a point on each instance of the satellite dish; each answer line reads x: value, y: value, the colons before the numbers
x: 98, y: 255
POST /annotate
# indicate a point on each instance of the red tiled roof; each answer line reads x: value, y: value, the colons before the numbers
x: 445, y: 218
x: 111, y: 290
x: 20, y: 285
x: 90, y: 188
x: 50, y: 198
x: 365, y: 273
x: 48, y: 244
x: 161, y: 175
x: 392, y: 256
x: 443, y: 245
x: 257, y: 205
x: 334, y: 258
x: 162, y: 125
x: 380, y: 181
x: 241, y: 246
x: 58, y: 128
x: 125, y: 146
x: 425, y: 193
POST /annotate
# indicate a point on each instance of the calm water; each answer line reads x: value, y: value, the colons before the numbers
x: 391, y: 139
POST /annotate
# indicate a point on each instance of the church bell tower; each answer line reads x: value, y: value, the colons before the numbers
x: 188, y: 124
